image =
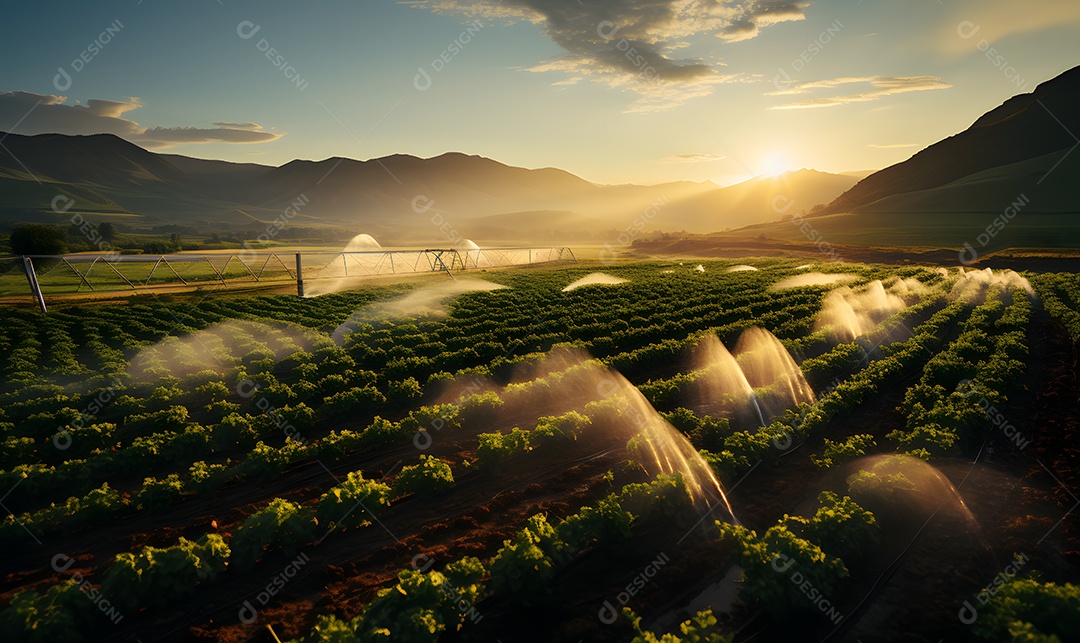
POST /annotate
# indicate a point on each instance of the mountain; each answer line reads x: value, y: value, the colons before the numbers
x: 1008, y: 181
x: 1006, y: 150
x: 380, y: 190
x: 402, y: 197
x: 762, y: 199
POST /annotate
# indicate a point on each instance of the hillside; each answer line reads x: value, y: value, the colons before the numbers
x: 1025, y: 127
x: 401, y: 196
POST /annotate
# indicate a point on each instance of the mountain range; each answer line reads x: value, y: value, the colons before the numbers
x: 401, y: 197
x: 1007, y: 180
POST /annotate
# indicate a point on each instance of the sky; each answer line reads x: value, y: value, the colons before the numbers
x: 615, y: 91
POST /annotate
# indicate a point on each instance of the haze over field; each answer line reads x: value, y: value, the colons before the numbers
x: 544, y: 321
x: 518, y: 122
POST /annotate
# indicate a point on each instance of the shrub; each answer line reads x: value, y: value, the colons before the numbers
x: 353, y: 502
x: 840, y: 452
x: 494, y: 449
x: 358, y: 401
x: 607, y: 523
x: 558, y: 428
x: 768, y: 561
x: 664, y: 498
x: 430, y: 476
x: 702, y: 628
x: 840, y: 527
x: 281, y: 525
x: 266, y: 461
x: 421, y: 606
x: 206, y: 477
x: 1026, y: 610
x: 525, y: 566
x: 60, y: 615
x: 156, y: 576
x: 482, y: 408
x: 160, y: 493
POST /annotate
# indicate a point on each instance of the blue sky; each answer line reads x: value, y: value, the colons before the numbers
x: 748, y: 88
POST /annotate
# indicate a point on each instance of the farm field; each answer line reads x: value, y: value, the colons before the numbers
x: 751, y: 450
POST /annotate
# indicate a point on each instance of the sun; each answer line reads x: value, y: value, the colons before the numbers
x: 775, y: 163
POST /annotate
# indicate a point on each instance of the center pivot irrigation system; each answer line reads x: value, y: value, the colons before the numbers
x: 97, y: 272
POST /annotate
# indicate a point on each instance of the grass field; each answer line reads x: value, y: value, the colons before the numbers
x: 927, y: 230
x: 738, y: 450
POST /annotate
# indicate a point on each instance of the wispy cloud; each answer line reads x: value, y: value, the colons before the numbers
x: 30, y: 113
x: 631, y: 44
x: 878, y: 87
x: 992, y: 20
x: 893, y: 146
x: 694, y: 158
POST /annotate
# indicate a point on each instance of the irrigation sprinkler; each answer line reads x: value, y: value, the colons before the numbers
x: 105, y: 271
x: 299, y: 277
x: 35, y: 287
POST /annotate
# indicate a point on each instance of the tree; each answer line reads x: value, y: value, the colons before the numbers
x: 107, y: 231
x: 37, y: 239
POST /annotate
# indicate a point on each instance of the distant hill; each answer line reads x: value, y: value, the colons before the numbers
x: 1016, y: 142
x: 402, y: 196
x: 762, y: 199
x: 1008, y: 181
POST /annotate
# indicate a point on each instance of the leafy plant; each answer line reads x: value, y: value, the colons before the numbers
x: 353, y: 503
x: 701, y: 628
x: 157, y: 493
x: 156, y: 576
x: 60, y: 615
x: 840, y: 452
x: 421, y: 606
x: 431, y: 475
x: 495, y: 449
x: 1025, y: 610
x: 281, y: 525
x: 768, y: 560
x: 525, y: 566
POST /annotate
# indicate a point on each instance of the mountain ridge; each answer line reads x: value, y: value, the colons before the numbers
x: 1023, y: 127
x: 107, y: 176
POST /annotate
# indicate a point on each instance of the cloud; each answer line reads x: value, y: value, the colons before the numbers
x: 694, y: 158
x: 893, y: 146
x: 245, y: 126
x: 30, y: 113
x: 992, y: 20
x: 631, y: 44
x: 880, y: 87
